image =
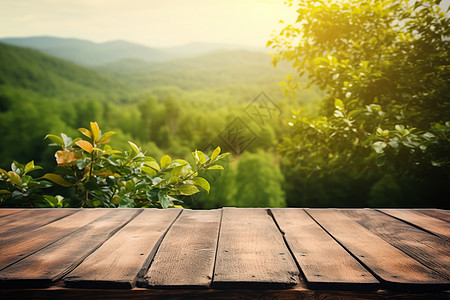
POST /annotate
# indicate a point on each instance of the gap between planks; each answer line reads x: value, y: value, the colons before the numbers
x: 396, y: 269
x: 121, y: 259
x: 323, y: 262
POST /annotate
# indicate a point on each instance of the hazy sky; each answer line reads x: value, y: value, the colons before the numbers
x: 156, y: 23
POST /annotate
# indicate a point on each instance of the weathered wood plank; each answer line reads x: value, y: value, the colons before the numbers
x: 15, y: 249
x: 436, y: 213
x: 17, y: 224
x: 426, y: 248
x: 54, y: 261
x: 324, y: 263
x: 431, y: 224
x: 186, y: 256
x: 8, y: 211
x: 251, y: 252
x: 390, y: 264
x: 119, y: 261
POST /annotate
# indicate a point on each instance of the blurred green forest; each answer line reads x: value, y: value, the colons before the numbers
x: 230, y: 99
x: 169, y: 107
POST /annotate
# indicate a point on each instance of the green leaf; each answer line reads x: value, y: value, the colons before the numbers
x: 51, y: 200
x: 379, y: 146
x: 215, y: 167
x: 165, y: 161
x: 153, y: 164
x: 199, y: 157
x: 196, y: 157
x: 202, y: 182
x: 57, y: 179
x: 178, y: 162
x: 83, y: 163
x: 67, y: 140
x: 95, y: 131
x: 163, y: 199
x: 135, y: 148
x: 29, y: 166
x: 215, y: 153
x: 149, y: 171
x: 56, y: 139
x: 222, y: 155
x: 105, y: 137
x: 188, y: 189
x: 339, y: 104
x: 14, y: 178
x: 116, y: 200
x: 4, y: 192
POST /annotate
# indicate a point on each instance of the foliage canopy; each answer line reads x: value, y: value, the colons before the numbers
x: 385, y: 66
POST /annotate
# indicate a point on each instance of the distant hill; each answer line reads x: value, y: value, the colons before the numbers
x: 88, y: 53
x: 28, y: 69
x: 212, y: 70
x: 85, y: 52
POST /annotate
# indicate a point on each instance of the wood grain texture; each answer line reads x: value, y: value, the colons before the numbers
x: 186, y: 256
x: 426, y: 248
x: 431, y: 224
x: 409, y: 262
x: 390, y: 264
x: 15, y: 249
x: 118, y: 262
x: 14, y: 225
x: 8, y: 211
x: 324, y: 263
x: 54, y: 261
x: 251, y: 252
x: 436, y: 213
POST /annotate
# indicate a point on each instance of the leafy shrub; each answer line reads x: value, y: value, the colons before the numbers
x: 384, y: 66
x: 90, y: 173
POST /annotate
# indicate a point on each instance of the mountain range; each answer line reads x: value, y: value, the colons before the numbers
x: 131, y: 72
x: 88, y: 53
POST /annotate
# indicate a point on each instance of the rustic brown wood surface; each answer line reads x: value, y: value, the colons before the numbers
x: 387, y: 262
x: 7, y: 211
x: 433, y: 225
x: 186, y: 258
x: 117, y: 263
x: 427, y: 249
x: 230, y: 253
x: 251, y: 252
x: 324, y: 263
x: 27, y: 220
x: 439, y: 214
x: 13, y: 249
x: 59, y: 258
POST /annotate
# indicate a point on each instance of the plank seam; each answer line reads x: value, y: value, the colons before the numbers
x: 416, y: 226
x: 437, y: 271
x: 59, y: 218
x: 436, y: 217
x: 382, y: 282
x: 39, y: 249
x: 140, y: 280
x: 77, y: 263
x: 217, y: 248
x: 13, y: 213
x: 283, y: 234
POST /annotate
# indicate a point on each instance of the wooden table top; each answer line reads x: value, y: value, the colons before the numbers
x: 229, y: 252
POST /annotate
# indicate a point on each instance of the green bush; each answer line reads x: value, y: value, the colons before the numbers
x: 90, y: 173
